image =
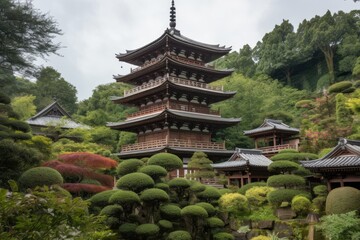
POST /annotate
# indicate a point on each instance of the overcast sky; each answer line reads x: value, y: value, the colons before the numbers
x: 95, y: 30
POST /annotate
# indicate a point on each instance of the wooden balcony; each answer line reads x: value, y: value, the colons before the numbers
x: 173, y: 143
x: 275, y: 149
x: 176, y: 80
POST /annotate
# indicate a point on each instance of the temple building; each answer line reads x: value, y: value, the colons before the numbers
x: 173, y: 96
x: 340, y: 167
x: 245, y: 166
x: 273, y: 136
x: 54, y: 115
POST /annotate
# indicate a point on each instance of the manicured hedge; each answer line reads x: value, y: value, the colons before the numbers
x: 127, y: 229
x: 166, y: 160
x: 223, y: 236
x: 40, y: 176
x: 320, y: 190
x: 304, y: 104
x: 283, y: 166
x: 154, y: 194
x: 112, y: 210
x: 147, y: 230
x: 246, y: 187
x: 286, y: 181
x: 135, y: 182
x: 295, y: 157
x: 300, y: 205
x: 102, y: 198
x: 340, y: 87
x: 154, y: 171
x: 170, y: 212
x: 215, y: 222
x: 179, y: 183
x: 18, y: 125
x: 128, y: 166
x: 224, y: 191
x: 162, y: 186
x: 209, y: 194
x: 284, y: 195
x: 342, y: 200
x: 179, y: 235
x: 210, y: 209
x: 197, y: 187
x: 194, y: 211
x: 165, y: 224
x: 123, y: 197
x: 90, y: 181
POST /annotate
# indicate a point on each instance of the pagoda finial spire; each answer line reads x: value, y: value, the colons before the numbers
x: 172, y: 15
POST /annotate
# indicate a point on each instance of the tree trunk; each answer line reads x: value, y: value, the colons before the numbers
x: 287, y: 73
x: 329, y: 57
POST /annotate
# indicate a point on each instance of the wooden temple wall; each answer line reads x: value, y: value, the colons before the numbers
x: 182, y: 135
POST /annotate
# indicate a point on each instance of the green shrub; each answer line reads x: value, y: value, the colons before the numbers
x: 90, y: 181
x: 223, y: 236
x: 194, y: 211
x: 112, y: 210
x: 4, y: 98
x: 246, y: 187
x: 101, y: 199
x: 135, y: 182
x: 40, y: 176
x: 286, y: 181
x: 197, y: 187
x: 324, y: 151
x: 127, y: 229
x: 166, y: 160
x: 154, y: 195
x: 224, y: 190
x: 179, y: 183
x: 320, y: 190
x: 349, y: 90
x: 278, y: 196
x: 209, y: 194
x: 283, y: 166
x: 179, y: 235
x: 319, y: 204
x: 340, y: 87
x: 147, y: 230
x: 154, y: 171
x: 170, y: 212
x: 261, y: 237
x: 295, y: 157
x: 288, y: 151
x: 233, y: 203
x: 210, y: 209
x: 18, y: 125
x: 304, y: 104
x: 257, y: 195
x: 215, y: 222
x: 165, y: 224
x: 128, y: 166
x: 342, y: 200
x: 162, y: 186
x: 123, y: 197
x: 300, y: 205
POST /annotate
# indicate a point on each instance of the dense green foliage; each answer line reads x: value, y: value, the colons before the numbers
x: 278, y: 196
x: 286, y: 181
x: 40, y: 176
x: 179, y: 235
x: 128, y: 166
x: 223, y: 236
x: 340, y: 87
x: 154, y: 195
x: 202, y: 164
x: 283, y: 166
x: 166, y: 160
x: 154, y: 171
x: 295, y: 157
x: 147, y: 230
x: 135, y: 182
x: 246, y: 187
x: 210, y: 209
x: 343, y: 200
x: 170, y: 212
x: 300, y: 205
x: 101, y: 199
x: 233, y: 203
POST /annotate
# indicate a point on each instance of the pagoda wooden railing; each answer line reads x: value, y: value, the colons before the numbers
x: 278, y: 148
x: 173, y: 143
x: 174, y: 106
x: 176, y: 80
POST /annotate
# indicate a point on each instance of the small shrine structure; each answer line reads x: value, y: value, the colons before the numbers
x: 245, y: 166
x: 340, y: 167
x: 172, y: 91
x: 273, y: 136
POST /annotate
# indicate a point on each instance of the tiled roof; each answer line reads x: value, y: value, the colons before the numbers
x: 271, y: 124
x: 245, y: 157
x: 346, y: 154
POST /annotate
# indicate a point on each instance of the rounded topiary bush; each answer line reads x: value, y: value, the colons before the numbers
x: 170, y: 212
x: 215, y: 222
x: 223, y: 236
x: 128, y: 166
x: 295, y: 157
x: 224, y: 191
x: 101, y: 199
x: 342, y: 200
x: 135, y: 182
x: 165, y: 224
x: 283, y: 166
x: 127, y: 229
x: 340, y: 87
x: 112, y: 222
x: 278, y: 196
x: 210, y: 209
x: 320, y: 190
x: 233, y: 203
x: 286, y: 181
x: 300, y: 205
x: 304, y: 104
x: 209, y: 194
x: 179, y: 183
x: 123, y: 197
x: 154, y: 195
x: 194, y: 211
x: 4, y: 98
x: 147, y: 230
x: 197, y: 187
x: 162, y: 186
x: 40, y: 176
x: 179, y: 235
x: 246, y: 187
x: 112, y: 210
x: 257, y: 195
x: 90, y: 181
x: 166, y: 160
x: 261, y: 237
x: 154, y: 171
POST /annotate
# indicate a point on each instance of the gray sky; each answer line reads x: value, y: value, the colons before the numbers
x: 95, y: 30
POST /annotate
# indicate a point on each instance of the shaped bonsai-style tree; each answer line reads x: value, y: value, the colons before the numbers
x: 40, y: 176
x: 201, y: 165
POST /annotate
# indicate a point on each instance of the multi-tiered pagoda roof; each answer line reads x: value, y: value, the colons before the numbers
x: 173, y: 92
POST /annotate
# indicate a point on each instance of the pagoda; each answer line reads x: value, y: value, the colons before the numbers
x: 173, y: 96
